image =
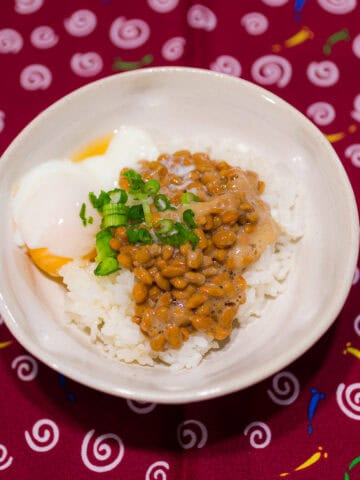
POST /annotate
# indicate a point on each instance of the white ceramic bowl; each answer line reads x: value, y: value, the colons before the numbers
x: 184, y: 103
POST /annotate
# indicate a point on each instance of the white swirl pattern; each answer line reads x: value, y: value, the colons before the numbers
x: 141, y: 407
x: 5, y: 459
x: 201, y: 17
x: 357, y: 325
x: 26, y: 367
x: 129, y: 34
x: 81, y: 23
x: 338, y: 7
x: 102, y: 452
x: 43, y: 37
x: 356, y: 112
x: 35, y: 77
x: 2, y: 126
x: 173, y: 49
x: 255, y: 23
x: 11, y: 41
x: 25, y: 7
x: 227, y: 64
x: 323, y: 74
x: 86, y: 64
x: 272, y: 70
x: 356, y: 46
x: 163, y: 6
x: 286, y: 388
x: 348, y: 399
x: 157, y: 471
x: 260, y: 434
x: 44, y: 435
x: 188, y: 438
x: 322, y: 113
x: 275, y: 3
x: 353, y: 152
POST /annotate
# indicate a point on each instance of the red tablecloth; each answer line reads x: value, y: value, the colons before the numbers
x: 302, y: 423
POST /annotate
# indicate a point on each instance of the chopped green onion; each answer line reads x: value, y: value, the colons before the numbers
x: 82, y: 214
x: 106, y: 256
x: 189, y: 197
x: 135, y: 180
x: 181, y: 235
x: 187, y: 235
x: 139, y: 235
x: 103, y: 248
x: 136, y: 212
x: 107, y: 266
x: 147, y: 213
x: 115, y: 215
x: 118, y: 195
x: 115, y: 209
x: 188, y: 217
x: 165, y: 226
x: 144, y: 236
x: 162, y: 203
x: 100, y: 201
x: 193, y: 239
x: 132, y: 235
x: 152, y: 187
x: 114, y: 221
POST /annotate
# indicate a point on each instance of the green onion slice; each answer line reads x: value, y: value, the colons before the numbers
x: 162, y: 203
x: 152, y: 187
x: 115, y: 215
x: 136, y: 212
x: 114, y: 221
x: 82, y: 214
x: 107, y: 266
x: 147, y: 213
x: 188, y: 217
x: 189, y: 197
x: 139, y: 235
x: 179, y: 236
x: 118, y: 195
x: 100, y: 201
x: 103, y: 248
x: 165, y: 226
x: 115, y: 208
x: 135, y: 180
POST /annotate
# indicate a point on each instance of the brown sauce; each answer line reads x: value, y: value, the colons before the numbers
x: 180, y: 290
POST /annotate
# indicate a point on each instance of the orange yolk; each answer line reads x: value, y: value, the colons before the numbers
x: 96, y: 147
x: 46, y: 261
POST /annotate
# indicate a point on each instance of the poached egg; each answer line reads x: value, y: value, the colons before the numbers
x: 47, y: 199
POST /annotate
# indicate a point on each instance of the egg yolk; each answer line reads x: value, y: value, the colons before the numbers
x: 96, y: 147
x: 46, y: 261
x: 50, y: 263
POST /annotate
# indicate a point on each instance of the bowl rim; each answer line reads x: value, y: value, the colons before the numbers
x: 278, y: 363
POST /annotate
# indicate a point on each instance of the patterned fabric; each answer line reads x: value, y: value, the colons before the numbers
x: 304, y: 422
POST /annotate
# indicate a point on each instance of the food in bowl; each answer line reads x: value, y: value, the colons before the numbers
x: 187, y: 247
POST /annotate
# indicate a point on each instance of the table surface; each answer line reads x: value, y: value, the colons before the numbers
x: 302, y: 423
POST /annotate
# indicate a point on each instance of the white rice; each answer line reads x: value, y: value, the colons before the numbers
x: 102, y: 307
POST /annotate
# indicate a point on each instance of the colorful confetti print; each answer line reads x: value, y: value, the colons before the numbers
x: 316, y: 396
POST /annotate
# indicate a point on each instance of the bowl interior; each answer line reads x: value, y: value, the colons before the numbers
x: 181, y: 108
